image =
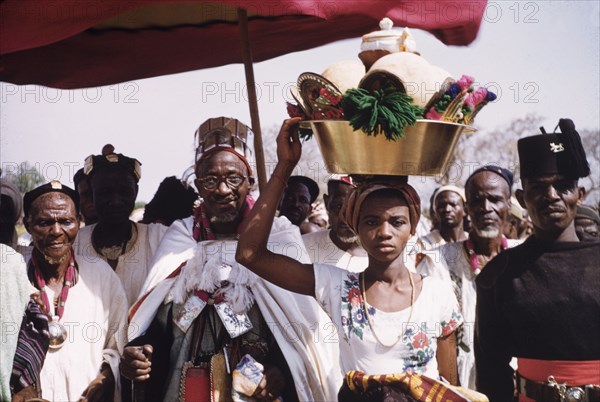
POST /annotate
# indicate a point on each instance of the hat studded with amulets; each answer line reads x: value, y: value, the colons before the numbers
x: 226, y: 134
x: 110, y: 159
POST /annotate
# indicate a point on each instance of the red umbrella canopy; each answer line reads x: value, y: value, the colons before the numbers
x: 73, y: 44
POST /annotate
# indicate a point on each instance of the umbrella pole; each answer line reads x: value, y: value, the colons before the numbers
x: 252, y: 100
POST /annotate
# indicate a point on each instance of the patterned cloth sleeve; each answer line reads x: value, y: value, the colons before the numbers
x: 32, y: 346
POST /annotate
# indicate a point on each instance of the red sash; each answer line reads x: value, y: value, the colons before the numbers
x: 564, y: 371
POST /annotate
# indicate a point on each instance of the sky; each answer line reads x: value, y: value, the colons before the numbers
x: 540, y: 57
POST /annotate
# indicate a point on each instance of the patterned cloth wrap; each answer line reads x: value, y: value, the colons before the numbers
x: 32, y: 347
x: 246, y: 377
x: 407, y: 387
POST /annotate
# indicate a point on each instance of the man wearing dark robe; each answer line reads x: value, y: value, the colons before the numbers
x: 296, y: 202
x: 539, y: 302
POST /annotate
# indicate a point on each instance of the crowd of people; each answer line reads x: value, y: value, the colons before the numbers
x: 214, y: 295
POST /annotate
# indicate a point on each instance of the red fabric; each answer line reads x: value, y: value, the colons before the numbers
x: 233, y: 151
x: 63, y: 44
x: 205, y: 296
x: 138, y: 303
x: 523, y: 398
x: 570, y: 372
x: 197, y: 385
x: 419, y: 387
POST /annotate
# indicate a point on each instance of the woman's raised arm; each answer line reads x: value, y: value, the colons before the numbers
x: 252, y: 251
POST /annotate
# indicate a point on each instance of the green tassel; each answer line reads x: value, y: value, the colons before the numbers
x: 380, y: 112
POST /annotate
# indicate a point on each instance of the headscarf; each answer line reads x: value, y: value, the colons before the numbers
x: 358, y: 195
x: 10, y: 190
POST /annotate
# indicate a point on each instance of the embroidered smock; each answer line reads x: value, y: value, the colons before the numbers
x: 435, y: 314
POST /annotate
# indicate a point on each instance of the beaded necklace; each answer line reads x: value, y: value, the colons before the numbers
x: 58, y: 333
x: 371, y: 326
x: 473, y: 262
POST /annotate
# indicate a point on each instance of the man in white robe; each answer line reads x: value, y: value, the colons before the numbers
x: 128, y: 247
x: 85, y: 298
x: 96, y: 320
x: 134, y: 264
x: 488, y: 192
x: 448, y: 206
x: 339, y: 244
x: 207, y: 242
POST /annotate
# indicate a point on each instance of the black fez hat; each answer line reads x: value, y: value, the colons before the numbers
x: 313, y: 187
x: 556, y: 153
x: 109, y: 159
x: 53, y: 186
x: 504, y: 173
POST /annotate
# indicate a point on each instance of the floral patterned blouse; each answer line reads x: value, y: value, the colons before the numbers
x: 435, y: 314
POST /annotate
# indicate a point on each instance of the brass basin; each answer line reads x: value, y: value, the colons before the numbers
x: 425, y: 150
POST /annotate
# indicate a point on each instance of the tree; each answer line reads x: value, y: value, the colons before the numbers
x: 591, y: 144
x: 310, y: 165
x: 499, y: 146
x: 25, y: 176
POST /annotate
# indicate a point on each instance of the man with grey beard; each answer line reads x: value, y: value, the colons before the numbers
x: 339, y: 245
x: 488, y: 192
x: 207, y: 315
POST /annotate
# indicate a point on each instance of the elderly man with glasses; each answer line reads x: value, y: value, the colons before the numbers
x: 201, y: 312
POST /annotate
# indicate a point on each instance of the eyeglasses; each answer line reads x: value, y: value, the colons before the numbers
x: 211, y: 183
